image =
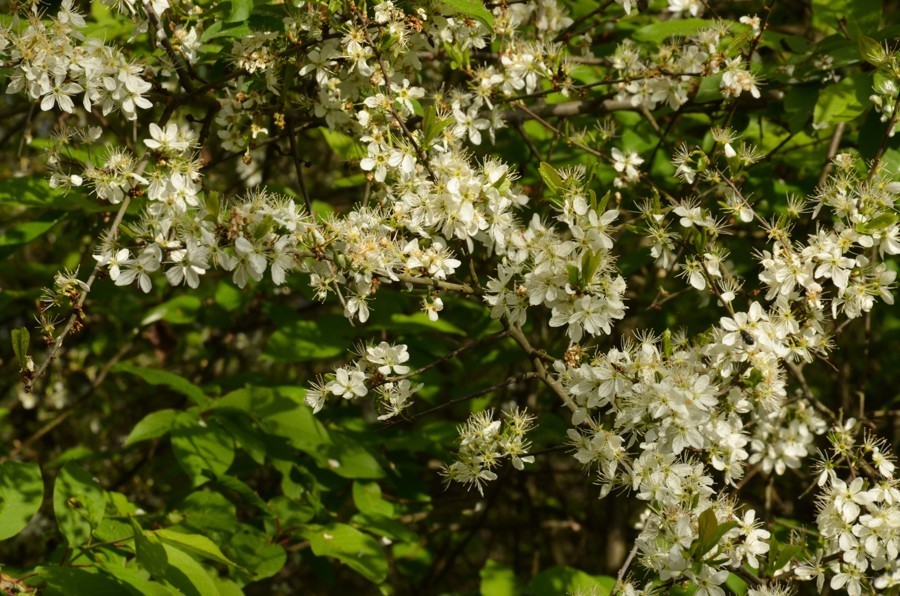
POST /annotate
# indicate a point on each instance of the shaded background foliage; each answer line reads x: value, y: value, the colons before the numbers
x: 264, y: 479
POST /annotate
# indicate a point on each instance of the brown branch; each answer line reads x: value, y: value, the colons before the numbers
x: 537, y: 359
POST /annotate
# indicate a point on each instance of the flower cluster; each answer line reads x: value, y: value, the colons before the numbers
x: 484, y: 443
x: 706, y: 53
x: 52, y: 62
x: 379, y: 368
x: 859, y: 517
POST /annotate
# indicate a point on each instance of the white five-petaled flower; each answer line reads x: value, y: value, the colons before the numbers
x: 348, y: 383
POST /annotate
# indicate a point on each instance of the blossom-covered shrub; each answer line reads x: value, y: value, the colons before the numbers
x: 316, y: 270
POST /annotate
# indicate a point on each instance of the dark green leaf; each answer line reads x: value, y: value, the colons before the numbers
x: 155, y: 376
x: 66, y: 581
x: 255, y: 553
x: 358, y: 551
x: 20, y: 340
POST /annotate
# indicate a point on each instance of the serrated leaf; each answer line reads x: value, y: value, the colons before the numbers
x: 21, y: 495
x: 472, y: 8
x: 78, y: 502
x: 194, y: 544
x: 174, y: 382
x: 153, y: 425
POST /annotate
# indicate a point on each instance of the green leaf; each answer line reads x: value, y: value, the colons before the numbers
x: 203, y: 450
x: 188, y: 575
x: 137, y: 580
x: 415, y: 322
x: 344, y: 145
x: 228, y: 296
x: 257, y: 555
x: 799, y: 103
x: 352, y: 459
x: 303, y: 340
x: 550, y: 176
x: 18, y: 235
x: 710, y: 532
x: 367, y: 498
x: 155, y: 424
x: 660, y: 31
x: 844, y: 100
x: 180, y: 310
x: 21, y: 494
x: 78, y: 502
x: 244, y: 490
x: 31, y: 191
x: 858, y: 15
x: 567, y: 580
x: 883, y: 221
x: 240, y: 11
x: 218, y: 29
x: 280, y: 412
x: 472, y: 8
x: 432, y: 126
x: 151, y: 554
x: 194, y: 544
x: 380, y: 525
x: 66, y: 581
x: 359, y: 551
x: 20, y: 340
x: 497, y: 580
x: 154, y: 376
